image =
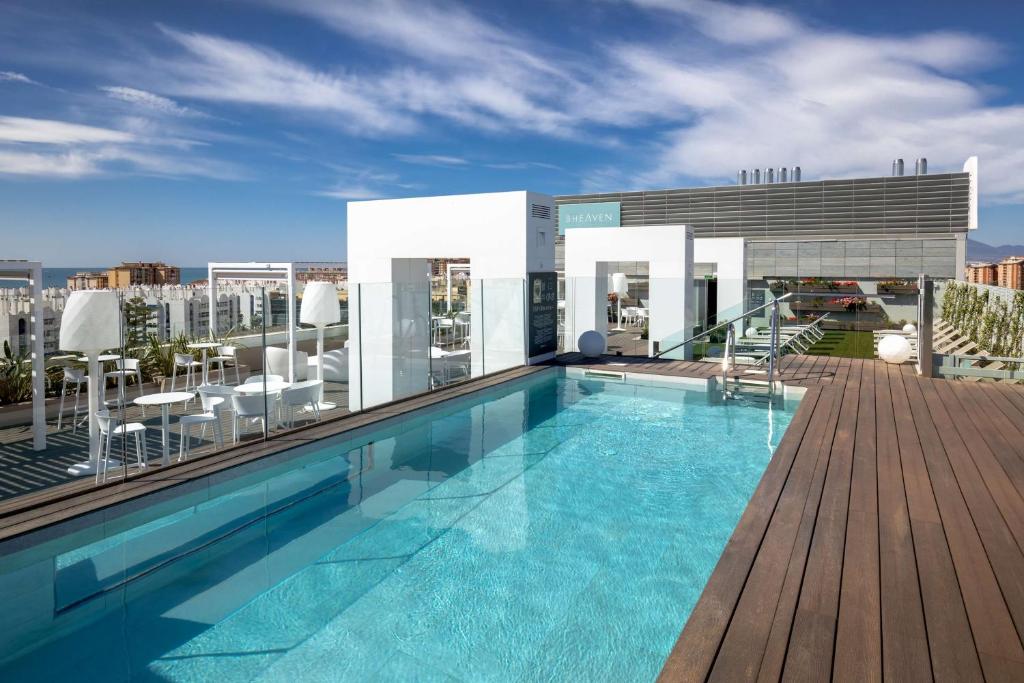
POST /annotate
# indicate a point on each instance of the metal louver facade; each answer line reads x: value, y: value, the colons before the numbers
x: 911, y: 206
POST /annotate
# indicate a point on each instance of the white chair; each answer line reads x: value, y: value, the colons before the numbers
x: 108, y: 427
x: 253, y: 379
x: 226, y: 354
x: 277, y: 363
x: 77, y: 377
x: 191, y: 366
x: 630, y: 315
x: 248, y: 408
x: 456, y: 365
x: 444, y: 329
x: 125, y: 366
x: 462, y: 326
x: 335, y: 366
x: 300, y: 395
x: 214, y: 399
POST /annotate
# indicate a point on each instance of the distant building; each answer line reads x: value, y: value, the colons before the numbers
x: 982, y: 273
x: 1011, y: 272
x: 86, y: 280
x: 335, y: 274
x: 136, y: 274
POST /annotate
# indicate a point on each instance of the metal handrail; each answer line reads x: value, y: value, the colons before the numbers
x: 746, y: 314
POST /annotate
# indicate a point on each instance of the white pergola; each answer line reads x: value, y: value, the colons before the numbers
x: 267, y: 272
x: 33, y: 272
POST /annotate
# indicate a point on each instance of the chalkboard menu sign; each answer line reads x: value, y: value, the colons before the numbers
x: 542, y: 308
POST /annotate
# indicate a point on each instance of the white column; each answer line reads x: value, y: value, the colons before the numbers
x: 38, y: 360
x: 291, y: 322
x: 211, y: 285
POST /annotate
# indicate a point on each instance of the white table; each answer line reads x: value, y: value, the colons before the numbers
x: 205, y: 346
x: 165, y: 400
x: 257, y: 387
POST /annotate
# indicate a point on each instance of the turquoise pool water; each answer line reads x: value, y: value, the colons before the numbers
x: 558, y: 530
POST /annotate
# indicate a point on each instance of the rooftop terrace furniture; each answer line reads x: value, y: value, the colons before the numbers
x: 254, y: 379
x: 248, y: 409
x: 190, y: 365
x: 300, y: 395
x: 109, y: 426
x: 124, y: 367
x: 77, y: 377
x: 213, y: 398
x: 335, y: 365
x: 277, y: 363
x: 226, y: 354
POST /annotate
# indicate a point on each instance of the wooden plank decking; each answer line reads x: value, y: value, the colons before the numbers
x: 883, y: 542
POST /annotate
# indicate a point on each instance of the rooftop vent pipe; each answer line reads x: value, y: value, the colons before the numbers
x: 769, y: 175
x: 783, y: 175
x: 796, y: 174
x: 897, y: 167
x: 921, y: 167
x: 757, y: 176
x: 741, y: 178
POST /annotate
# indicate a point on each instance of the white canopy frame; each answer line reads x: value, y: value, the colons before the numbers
x: 33, y: 272
x: 452, y: 268
x: 269, y: 272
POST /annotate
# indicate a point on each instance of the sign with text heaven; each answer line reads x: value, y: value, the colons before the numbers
x: 592, y: 215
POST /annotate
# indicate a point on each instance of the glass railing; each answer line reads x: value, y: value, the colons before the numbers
x: 162, y: 396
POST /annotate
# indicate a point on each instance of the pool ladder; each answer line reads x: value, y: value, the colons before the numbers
x: 733, y: 382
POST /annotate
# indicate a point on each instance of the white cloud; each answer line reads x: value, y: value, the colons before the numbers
x: 222, y: 70
x: 16, y: 77
x: 18, y: 129
x: 431, y: 159
x: 46, y: 164
x: 148, y: 100
x: 60, y: 149
x: 351, y: 193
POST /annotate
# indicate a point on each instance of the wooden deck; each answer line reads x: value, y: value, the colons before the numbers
x: 883, y: 542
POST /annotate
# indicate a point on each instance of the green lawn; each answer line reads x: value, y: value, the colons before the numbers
x: 845, y: 344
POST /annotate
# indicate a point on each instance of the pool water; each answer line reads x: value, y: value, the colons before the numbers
x: 560, y: 529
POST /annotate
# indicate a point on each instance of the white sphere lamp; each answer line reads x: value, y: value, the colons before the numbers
x: 91, y: 324
x: 751, y: 332
x: 591, y: 344
x: 892, y: 348
x: 320, y: 308
x: 620, y: 285
x: 909, y: 328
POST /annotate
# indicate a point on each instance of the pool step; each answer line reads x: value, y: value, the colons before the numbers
x: 758, y: 390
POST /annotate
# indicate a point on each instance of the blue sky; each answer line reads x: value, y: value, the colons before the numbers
x: 237, y: 130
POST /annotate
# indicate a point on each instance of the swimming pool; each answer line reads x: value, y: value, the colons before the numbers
x: 555, y: 527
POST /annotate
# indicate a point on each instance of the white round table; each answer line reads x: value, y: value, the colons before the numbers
x: 205, y: 346
x: 165, y: 400
x: 257, y: 387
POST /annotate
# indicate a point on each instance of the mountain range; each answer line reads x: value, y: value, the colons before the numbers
x: 979, y: 251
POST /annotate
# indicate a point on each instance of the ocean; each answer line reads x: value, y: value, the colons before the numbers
x: 58, y: 277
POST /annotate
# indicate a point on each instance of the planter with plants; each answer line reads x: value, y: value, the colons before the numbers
x: 814, y: 285
x: 897, y: 287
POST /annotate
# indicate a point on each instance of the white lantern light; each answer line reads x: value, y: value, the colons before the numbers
x: 893, y: 348
x: 751, y: 332
x: 909, y: 328
x: 90, y: 324
x: 320, y: 308
x: 591, y: 344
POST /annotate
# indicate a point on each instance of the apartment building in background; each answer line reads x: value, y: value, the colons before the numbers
x: 1010, y: 272
x: 89, y: 280
x: 141, y: 273
x: 981, y: 273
